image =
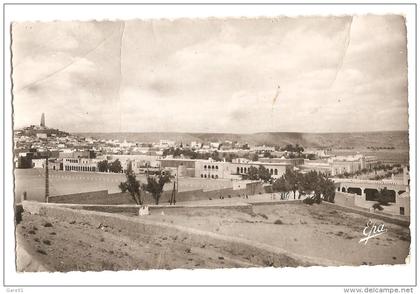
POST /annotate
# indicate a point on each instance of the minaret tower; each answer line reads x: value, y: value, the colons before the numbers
x: 42, y: 120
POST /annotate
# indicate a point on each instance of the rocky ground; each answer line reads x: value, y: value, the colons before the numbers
x: 77, y: 246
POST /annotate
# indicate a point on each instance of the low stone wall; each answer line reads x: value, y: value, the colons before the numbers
x: 82, y: 198
x: 190, y: 209
x: 103, y: 198
x: 345, y: 199
x: 274, y: 202
x: 37, y: 208
x: 388, y: 218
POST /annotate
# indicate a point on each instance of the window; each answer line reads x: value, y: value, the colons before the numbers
x: 217, y: 167
x: 205, y: 166
x: 276, y: 172
x: 402, y: 212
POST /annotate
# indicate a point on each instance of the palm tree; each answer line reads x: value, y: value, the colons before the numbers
x: 155, y: 185
x: 132, y: 185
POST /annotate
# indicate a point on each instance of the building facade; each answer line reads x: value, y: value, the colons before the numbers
x: 80, y: 164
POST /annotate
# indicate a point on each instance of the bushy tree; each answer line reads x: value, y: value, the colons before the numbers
x: 282, y: 186
x: 252, y: 174
x: 155, y: 185
x: 264, y: 174
x: 384, y: 196
x: 115, y: 166
x: 291, y: 178
x: 254, y: 157
x: 103, y: 166
x: 131, y: 185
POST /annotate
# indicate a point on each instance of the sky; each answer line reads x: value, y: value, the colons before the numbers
x: 232, y: 75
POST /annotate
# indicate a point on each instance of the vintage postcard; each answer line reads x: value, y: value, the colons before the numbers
x: 211, y: 143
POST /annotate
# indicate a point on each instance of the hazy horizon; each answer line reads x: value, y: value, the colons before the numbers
x: 249, y: 75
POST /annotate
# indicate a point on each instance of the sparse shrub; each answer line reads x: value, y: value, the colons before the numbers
x: 41, y: 251
x: 46, y: 242
x: 263, y: 215
x: 309, y: 201
x: 48, y: 225
x: 278, y: 222
x: 377, y: 206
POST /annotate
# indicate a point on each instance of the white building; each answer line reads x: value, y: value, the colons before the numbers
x: 80, y: 164
x: 166, y: 143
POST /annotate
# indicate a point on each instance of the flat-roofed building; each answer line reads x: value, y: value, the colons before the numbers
x: 351, y: 164
x: 211, y: 169
x: 184, y: 167
x: 231, y: 170
x: 80, y: 164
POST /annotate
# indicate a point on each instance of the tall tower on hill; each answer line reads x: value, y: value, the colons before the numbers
x: 42, y: 120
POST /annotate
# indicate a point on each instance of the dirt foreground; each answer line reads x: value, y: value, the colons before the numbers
x: 320, y: 231
x: 303, y: 233
x: 78, y: 246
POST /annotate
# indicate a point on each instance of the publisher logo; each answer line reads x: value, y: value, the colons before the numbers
x: 372, y: 230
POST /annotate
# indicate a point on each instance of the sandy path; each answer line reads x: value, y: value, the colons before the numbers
x: 318, y: 231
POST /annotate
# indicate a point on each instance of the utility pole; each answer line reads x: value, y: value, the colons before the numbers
x: 177, y: 181
x: 47, y: 183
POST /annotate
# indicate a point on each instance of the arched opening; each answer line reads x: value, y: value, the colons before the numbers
x: 371, y: 194
x: 242, y: 170
x: 205, y: 166
x: 217, y: 167
x: 343, y: 189
x: 276, y: 172
x: 237, y: 170
x: 352, y: 190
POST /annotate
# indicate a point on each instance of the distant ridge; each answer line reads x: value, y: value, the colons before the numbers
x: 396, y: 139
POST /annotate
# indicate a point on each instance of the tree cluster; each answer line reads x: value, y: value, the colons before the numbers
x: 112, y: 167
x: 258, y: 174
x: 312, y: 182
x: 293, y: 148
x: 154, y: 185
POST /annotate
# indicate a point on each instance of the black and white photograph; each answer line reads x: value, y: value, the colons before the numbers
x: 213, y: 143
